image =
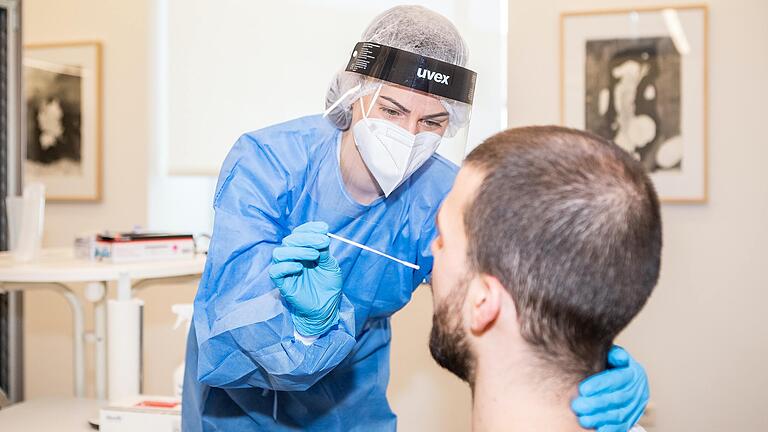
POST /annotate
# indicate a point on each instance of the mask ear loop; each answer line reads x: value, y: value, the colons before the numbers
x: 346, y: 94
x: 362, y: 110
x: 373, y: 101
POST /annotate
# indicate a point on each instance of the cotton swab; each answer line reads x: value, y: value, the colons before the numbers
x: 364, y: 247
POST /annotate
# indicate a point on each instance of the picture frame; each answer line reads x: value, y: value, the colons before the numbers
x: 62, y: 95
x: 639, y: 78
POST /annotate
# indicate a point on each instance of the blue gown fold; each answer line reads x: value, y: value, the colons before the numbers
x: 244, y: 368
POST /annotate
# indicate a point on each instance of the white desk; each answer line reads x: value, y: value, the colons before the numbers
x: 50, y: 414
x: 57, y: 267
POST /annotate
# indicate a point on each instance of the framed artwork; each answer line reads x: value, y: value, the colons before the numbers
x: 638, y: 77
x: 62, y: 91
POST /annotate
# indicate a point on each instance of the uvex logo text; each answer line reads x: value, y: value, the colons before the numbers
x: 433, y: 76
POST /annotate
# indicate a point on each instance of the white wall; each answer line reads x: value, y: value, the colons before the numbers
x: 702, y: 336
x: 256, y: 70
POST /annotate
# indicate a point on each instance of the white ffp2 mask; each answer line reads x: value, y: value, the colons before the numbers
x: 390, y: 152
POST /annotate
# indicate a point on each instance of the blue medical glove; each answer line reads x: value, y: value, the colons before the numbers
x: 614, y: 399
x: 309, y: 278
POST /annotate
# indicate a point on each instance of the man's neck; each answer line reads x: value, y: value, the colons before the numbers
x: 510, y: 399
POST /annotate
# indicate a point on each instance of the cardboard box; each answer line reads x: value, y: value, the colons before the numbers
x: 142, y: 413
x: 122, y: 248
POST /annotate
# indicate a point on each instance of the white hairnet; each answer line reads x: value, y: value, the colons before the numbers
x: 410, y: 28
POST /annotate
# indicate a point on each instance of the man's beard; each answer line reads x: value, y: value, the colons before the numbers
x: 447, y: 341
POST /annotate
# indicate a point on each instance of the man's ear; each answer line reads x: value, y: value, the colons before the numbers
x: 484, y: 298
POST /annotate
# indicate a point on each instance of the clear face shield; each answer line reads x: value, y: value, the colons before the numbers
x: 405, y: 108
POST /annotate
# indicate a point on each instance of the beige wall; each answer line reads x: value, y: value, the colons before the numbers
x: 121, y: 27
x: 424, y: 396
x: 702, y: 336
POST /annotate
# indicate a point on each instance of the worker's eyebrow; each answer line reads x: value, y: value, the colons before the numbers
x: 431, y: 116
x: 396, y: 103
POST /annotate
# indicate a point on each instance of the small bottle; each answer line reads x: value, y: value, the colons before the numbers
x: 183, y: 315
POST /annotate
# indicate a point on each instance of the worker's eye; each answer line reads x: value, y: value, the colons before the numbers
x: 390, y: 112
x: 433, y: 124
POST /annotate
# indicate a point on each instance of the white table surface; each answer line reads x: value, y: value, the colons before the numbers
x: 60, y: 265
x: 50, y: 414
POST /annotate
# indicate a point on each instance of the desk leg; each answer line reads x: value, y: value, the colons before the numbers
x: 95, y: 292
x: 100, y: 318
x: 78, y: 341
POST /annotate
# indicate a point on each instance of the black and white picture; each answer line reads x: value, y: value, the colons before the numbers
x: 633, y: 98
x: 639, y: 79
x: 53, y: 96
x: 62, y: 88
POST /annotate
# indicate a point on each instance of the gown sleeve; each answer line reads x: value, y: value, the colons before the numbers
x: 428, y: 233
x: 245, y: 335
x: 424, y: 258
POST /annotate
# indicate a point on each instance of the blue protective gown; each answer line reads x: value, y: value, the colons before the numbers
x: 244, y: 368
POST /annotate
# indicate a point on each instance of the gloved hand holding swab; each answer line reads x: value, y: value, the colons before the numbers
x: 364, y: 247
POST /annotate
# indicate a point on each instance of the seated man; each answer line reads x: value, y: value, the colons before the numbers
x: 549, y: 245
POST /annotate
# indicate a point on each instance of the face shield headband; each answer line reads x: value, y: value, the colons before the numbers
x: 413, y: 71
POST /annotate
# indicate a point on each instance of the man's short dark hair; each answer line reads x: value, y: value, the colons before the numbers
x: 569, y: 223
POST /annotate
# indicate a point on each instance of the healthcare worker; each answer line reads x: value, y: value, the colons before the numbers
x: 291, y: 328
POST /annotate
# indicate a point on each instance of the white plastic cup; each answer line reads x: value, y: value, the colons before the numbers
x: 14, y: 207
x: 25, y: 222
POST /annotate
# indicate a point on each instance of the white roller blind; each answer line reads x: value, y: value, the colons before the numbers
x: 232, y: 66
